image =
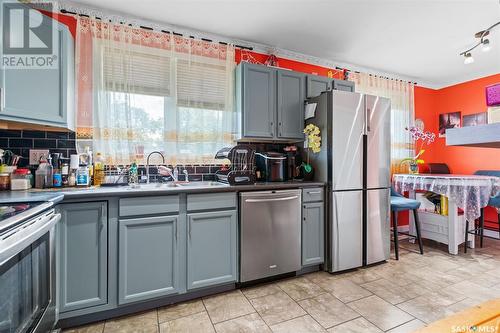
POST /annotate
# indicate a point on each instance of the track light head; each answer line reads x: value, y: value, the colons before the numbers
x: 486, y: 45
x: 468, y: 58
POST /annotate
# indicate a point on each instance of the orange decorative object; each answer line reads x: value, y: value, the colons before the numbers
x: 481, y: 318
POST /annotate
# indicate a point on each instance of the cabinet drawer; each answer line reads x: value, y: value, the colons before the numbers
x: 312, y: 194
x: 206, y: 201
x: 149, y: 205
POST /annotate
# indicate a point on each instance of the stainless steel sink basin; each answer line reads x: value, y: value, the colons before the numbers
x: 199, y: 184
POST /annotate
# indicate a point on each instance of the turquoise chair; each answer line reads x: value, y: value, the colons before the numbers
x: 493, y: 202
x: 400, y: 203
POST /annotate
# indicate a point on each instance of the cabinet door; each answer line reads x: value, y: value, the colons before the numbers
x: 148, y: 258
x: 313, y: 233
x: 83, y: 255
x: 41, y: 95
x: 211, y: 248
x: 342, y: 85
x: 317, y: 84
x: 259, y: 101
x: 291, y: 97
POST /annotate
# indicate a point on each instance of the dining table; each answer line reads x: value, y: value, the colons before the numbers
x: 469, y: 193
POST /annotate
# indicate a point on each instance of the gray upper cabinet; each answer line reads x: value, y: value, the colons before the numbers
x: 211, y: 248
x: 270, y: 103
x: 43, y: 96
x: 291, y: 97
x: 342, y: 85
x: 82, y: 256
x: 317, y: 84
x: 256, y: 100
x: 148, y: 258
x: 313, y: 233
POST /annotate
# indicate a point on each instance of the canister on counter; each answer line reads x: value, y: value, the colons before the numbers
x: 4, y: 181
x: 444, y: 205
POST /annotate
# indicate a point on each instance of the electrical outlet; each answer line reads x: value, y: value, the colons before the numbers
x: 35, y: 155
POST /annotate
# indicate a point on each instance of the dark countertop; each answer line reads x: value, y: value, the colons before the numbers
x: 57, y: 195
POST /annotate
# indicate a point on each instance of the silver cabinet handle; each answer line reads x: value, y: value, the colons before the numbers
x: 314, y: 192
x: 2, y: 99
x: 189, y: 229
x: 267, y: 200
x: 176, y: 231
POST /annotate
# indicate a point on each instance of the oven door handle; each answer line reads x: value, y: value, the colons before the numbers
x: 18, y: 242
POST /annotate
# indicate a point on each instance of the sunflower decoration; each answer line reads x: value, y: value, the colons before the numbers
x: 313, y: 143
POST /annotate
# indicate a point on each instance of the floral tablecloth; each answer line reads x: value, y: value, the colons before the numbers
x: 470, y: 193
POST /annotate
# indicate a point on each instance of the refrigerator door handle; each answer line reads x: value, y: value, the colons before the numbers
x: 368, y: 113
x: 367, y: 110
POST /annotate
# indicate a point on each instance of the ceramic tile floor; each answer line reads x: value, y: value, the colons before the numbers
x: 398, y: 296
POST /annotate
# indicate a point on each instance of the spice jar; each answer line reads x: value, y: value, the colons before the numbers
x: 4, y: 181
x: 20, y: 179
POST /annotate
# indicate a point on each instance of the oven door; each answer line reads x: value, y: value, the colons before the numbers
x: 27, y: 276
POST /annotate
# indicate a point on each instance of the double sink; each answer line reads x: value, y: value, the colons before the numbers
x: 196, y: 184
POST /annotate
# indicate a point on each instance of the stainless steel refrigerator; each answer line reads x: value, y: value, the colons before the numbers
x: 355, y: 163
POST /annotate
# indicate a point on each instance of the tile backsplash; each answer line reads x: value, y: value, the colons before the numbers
x: 21, y: 141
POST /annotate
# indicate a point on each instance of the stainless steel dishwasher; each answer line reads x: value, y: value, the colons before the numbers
x: 270, y: 233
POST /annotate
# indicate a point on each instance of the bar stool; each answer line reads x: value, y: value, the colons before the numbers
x: 398, y: 204
x: 493, y: 202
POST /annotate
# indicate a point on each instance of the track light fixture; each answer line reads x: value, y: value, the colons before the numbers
x: 483, y: 41
x: 486, y: 45
x: 468, y: 58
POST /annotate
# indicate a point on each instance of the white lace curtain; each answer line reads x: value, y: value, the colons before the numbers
x: 141, y: 91
x: 401, y: 95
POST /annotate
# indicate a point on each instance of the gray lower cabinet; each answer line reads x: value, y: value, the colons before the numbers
x: 291, y: 97
x: 317, y: 84
x: 211, y: 248
x: 313, y: 233
x: 50, y: 90
x: 148, y: 258
x: 83, y: 251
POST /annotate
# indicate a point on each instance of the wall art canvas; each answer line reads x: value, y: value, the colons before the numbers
x: 493, y: 95
x: 449, y: 120
x: 475, y: 119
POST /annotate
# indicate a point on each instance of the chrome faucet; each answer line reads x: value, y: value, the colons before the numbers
x: 185, y: 172
x: 147, y: 163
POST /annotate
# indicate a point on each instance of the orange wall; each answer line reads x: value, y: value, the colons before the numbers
x: 468, y: 98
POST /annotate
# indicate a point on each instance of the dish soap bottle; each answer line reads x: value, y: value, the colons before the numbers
x: 98, y: 170
x: 133, y: 176
x: 82, y: 176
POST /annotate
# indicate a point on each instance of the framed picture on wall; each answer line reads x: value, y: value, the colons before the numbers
x: 449, y: 120
x: 475, y: 119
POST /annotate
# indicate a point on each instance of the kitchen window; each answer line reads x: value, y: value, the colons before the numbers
x: 141, y: 91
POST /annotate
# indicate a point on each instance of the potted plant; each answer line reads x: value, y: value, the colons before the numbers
x: 313, y: 144
x: 417, y: 133
x: 413, y: 162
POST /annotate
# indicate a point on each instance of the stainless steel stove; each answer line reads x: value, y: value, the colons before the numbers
x: 27, y: 266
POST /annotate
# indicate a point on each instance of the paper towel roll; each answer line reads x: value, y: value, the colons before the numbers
x: 74, y: 161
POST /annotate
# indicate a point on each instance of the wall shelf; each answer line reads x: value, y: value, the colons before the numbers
x: 486, y: 136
